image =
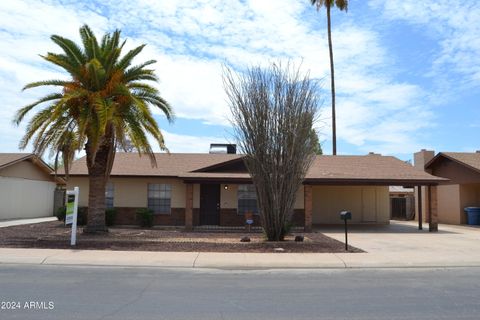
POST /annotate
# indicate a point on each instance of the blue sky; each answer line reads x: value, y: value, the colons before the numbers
x: 407, y: 72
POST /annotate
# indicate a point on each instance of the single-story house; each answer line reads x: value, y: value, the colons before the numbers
x: 27, y: 186
x: 215, y: 189
x: 462, y: 189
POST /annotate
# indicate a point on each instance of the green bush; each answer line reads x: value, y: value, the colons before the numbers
x: 61, y: 213
x: 82, y: 215
x: 145, y: 217
x: 110, y: 215
x: 287, y: 228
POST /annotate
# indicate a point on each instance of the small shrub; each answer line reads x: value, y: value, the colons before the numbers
x: 81, y: 215
x: 145, y: 217
x: 110, y: 215
x: 287, y: 227
x: 61, y: 213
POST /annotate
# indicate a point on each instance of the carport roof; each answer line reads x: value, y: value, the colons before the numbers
x: 368, y: 169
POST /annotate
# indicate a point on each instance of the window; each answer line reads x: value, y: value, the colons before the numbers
x: 159, y: 198
x: 109, y: 192
x: 247, y: 199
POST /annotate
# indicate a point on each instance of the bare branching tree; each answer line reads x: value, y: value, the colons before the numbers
x: 273, y: 111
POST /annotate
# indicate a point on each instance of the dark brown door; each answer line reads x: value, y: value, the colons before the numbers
x: 209, y: 204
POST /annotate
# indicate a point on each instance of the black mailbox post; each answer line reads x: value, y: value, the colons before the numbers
x: 346, y: 215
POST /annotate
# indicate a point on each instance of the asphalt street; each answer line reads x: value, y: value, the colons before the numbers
x: 74, y: 292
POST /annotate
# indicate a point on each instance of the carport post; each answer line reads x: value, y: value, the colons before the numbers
x: 189, y: 207
x: 307, y: 198
x: 432, y: 209
x: 420, y: 209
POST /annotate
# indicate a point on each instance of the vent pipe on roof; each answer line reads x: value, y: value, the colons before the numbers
x: 478, y: 151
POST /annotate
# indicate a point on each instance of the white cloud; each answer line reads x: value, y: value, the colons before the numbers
x: 191, y: 40
x: 455, y: 23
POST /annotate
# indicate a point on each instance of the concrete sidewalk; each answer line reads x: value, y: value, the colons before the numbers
x: 231, y: 260
x: 398, y: 245
x: 19, y: 222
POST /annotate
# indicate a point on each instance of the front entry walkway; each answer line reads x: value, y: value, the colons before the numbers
x: 18, y: 222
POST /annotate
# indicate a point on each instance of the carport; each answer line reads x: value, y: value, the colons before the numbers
x: 360, y: 184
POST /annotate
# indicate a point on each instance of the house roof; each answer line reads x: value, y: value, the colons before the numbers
x: 168, y: 164
x: 9, y: 159
x: 372, y: 168
x: 467, y: 159
x: 369, y: 169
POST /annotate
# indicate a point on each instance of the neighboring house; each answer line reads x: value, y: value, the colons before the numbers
x: 27, y: 186
x: 402, y: 203
x: 463, y: 188
x: 215, y: 189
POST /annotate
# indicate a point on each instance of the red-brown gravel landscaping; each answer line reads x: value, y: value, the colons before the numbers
x: 55, y: 235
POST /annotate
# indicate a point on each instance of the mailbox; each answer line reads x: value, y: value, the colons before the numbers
x: 345, y: 215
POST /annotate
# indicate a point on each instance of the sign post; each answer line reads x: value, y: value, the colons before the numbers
x: 71, y: 212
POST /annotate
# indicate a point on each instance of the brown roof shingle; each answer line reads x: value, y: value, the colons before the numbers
x: 325, y: 169
x: 7, y: 159
x: 168, y: 164
x: 372, y: 167
x: 470, y: 159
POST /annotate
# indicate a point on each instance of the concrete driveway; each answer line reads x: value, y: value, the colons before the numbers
x: 401, y: 243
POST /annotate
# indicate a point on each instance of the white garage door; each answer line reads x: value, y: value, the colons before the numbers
x: 22, y: 198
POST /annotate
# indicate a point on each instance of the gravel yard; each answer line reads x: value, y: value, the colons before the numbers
x: 56, y: 235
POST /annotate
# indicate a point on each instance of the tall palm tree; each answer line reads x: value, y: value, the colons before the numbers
x: 104, y: 103
x: 342, y: 5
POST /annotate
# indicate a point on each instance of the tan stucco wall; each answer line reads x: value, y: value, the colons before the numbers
x: 469, y: 197
x: 452, y: 199
x: 196, y: 195
x: 132, y: 192
x: 449, y: 204
x: 82, y: 184
x: 22, y: 198
x: 229, y: 197
x: 367, y: 203
x: 25, y: 170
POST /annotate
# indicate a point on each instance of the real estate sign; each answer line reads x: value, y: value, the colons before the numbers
x: 71, y: 212
x: 70, y: 209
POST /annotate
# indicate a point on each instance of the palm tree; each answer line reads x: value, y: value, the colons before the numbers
x: 104, y: 103
x: 343, y: 6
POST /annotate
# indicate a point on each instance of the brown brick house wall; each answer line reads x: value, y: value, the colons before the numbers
x: 228, y: 217
x: 127, y: 216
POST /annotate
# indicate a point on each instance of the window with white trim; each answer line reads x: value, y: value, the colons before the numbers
x: 247, y: 199
x: 159, y: 198
x: 109, y: 195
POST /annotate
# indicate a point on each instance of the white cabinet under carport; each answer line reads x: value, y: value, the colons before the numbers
x: 368, y: 204
x: 24, y: 198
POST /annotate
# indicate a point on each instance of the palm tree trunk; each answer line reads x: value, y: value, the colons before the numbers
x: 332, y: 78
x: 98, y: 171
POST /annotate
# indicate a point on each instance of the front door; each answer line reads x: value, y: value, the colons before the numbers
x: 209, y: 204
